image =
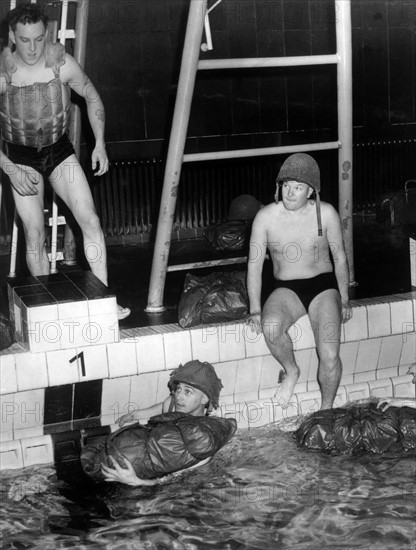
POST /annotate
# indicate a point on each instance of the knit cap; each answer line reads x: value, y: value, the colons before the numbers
x: 201, y: 376
x: 303, y: 168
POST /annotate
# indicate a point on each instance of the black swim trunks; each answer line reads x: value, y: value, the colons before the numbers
x: 44, y: 161
x: 307, y: 289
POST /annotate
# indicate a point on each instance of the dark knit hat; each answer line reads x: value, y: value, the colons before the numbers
x: 303, y: 168
x: 201, y: 376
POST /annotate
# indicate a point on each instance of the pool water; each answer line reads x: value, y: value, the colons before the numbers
x: 259, y: 492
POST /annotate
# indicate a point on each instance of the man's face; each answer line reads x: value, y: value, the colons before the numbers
x: 295, y: 194
x: 189, y: 400
x: 29, y: 40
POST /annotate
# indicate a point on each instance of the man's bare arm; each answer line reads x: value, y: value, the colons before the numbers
x: 23, y: 181
x: 145, y: 414
x: 257, y: 255
x: 78, y: 81
x: 336, y: 244
x: 386, y: 402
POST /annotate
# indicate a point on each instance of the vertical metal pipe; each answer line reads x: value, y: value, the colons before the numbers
x: 81, y: 23
x: 189, y: 65
x: 54, y: 239
x: 109, y: 201
x: 146, y: 203
x: 13, y: 245
x: 345, y: 165
x: 64, y: 19
x: 133, y: 188
x: 118, y: 174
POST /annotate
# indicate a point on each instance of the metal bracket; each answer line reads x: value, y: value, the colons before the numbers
x: 206, y: 46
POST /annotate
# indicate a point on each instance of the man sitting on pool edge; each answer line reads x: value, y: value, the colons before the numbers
x: 304, y: 240
x: 179, y: 437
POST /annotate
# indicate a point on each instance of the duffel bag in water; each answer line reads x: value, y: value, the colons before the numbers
x: 168, y: 443
x: 360, y: 428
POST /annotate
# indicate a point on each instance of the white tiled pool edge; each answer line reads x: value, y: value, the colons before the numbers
x: 378, y: 346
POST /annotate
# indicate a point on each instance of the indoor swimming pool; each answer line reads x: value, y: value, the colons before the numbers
x: 186, y: 136
x: 259, y: 492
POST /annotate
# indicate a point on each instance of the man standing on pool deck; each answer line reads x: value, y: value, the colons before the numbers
x: 304, y: 240
x: 35, y: 84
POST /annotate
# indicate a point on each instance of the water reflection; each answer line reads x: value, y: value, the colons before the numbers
x: 260, y: 491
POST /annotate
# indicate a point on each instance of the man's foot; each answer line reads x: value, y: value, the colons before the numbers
x: 122, y: 312
x: 285, y: 390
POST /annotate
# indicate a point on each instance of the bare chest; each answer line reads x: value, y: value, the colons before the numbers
x: 295, y: 239
x: 22, y: 77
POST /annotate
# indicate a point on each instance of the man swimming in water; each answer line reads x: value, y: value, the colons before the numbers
x: 195, y: 390
x: 304, y: 241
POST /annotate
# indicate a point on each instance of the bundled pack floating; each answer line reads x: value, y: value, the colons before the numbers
x: 360, y: 428
x: 168, y: 443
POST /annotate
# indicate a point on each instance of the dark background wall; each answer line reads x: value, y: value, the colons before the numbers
x: 134, y: 50
x: 133, y: 56
x: 135, y: 47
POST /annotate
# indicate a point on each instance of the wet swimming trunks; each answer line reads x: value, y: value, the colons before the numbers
x: 44, y: 161
x: 308, y: 289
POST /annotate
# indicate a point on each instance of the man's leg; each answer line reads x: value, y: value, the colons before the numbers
x: 30, y: 210
x: 282, y: 309
x: 70, y: 183
x: 325, y: 315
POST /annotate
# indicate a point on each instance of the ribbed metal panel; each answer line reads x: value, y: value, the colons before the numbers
x: 127, y: 197
x: 381, y: 166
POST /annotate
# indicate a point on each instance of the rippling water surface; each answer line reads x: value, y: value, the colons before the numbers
x: 259, y: 492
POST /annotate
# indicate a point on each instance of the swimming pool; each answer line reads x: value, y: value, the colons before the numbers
x: 259, y: 492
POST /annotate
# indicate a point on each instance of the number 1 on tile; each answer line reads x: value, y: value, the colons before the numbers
x: 81, y: 356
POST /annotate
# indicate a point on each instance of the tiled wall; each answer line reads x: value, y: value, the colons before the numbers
x: 47, y: 396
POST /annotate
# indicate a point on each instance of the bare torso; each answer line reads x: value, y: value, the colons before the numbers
x: 295, y: 249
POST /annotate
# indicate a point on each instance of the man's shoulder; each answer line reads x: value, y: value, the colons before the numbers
x: 267, y: 210
x: 7, y: 65
x: 327, y: 205
x: 55, y: 55
x: 265, y: 215
x: 328, y: 209
x: 70, y: 68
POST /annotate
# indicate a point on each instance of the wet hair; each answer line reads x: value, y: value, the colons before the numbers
x: 26, y: 13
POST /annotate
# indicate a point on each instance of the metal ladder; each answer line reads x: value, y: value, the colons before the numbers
x: 198, y: 20
x: 79, y: 34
